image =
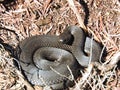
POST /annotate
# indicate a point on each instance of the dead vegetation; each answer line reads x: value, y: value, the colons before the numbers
x: 25, y: 18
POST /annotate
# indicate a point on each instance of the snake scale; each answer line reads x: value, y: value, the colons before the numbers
x: 49, y: 60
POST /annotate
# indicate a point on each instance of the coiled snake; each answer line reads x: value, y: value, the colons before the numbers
x: 49, y: 60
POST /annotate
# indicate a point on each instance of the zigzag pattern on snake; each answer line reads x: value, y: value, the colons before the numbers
x: 46, y: 59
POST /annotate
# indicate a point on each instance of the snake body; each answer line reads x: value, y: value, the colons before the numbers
x: 49, y: 59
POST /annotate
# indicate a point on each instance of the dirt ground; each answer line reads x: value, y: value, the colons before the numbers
x: 24, y: 18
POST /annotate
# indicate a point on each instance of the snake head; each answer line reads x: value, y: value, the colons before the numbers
x: 66, y: 37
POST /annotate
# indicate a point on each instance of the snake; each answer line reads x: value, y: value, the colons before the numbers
x: 50, y: 60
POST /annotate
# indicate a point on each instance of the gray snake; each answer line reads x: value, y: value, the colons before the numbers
x: 46, y: 59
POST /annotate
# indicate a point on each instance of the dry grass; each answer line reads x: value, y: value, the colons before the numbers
x: 36, y: 17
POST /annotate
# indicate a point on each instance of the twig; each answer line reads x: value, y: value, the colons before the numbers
x: 85, y: 76
x: 79, y: 18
